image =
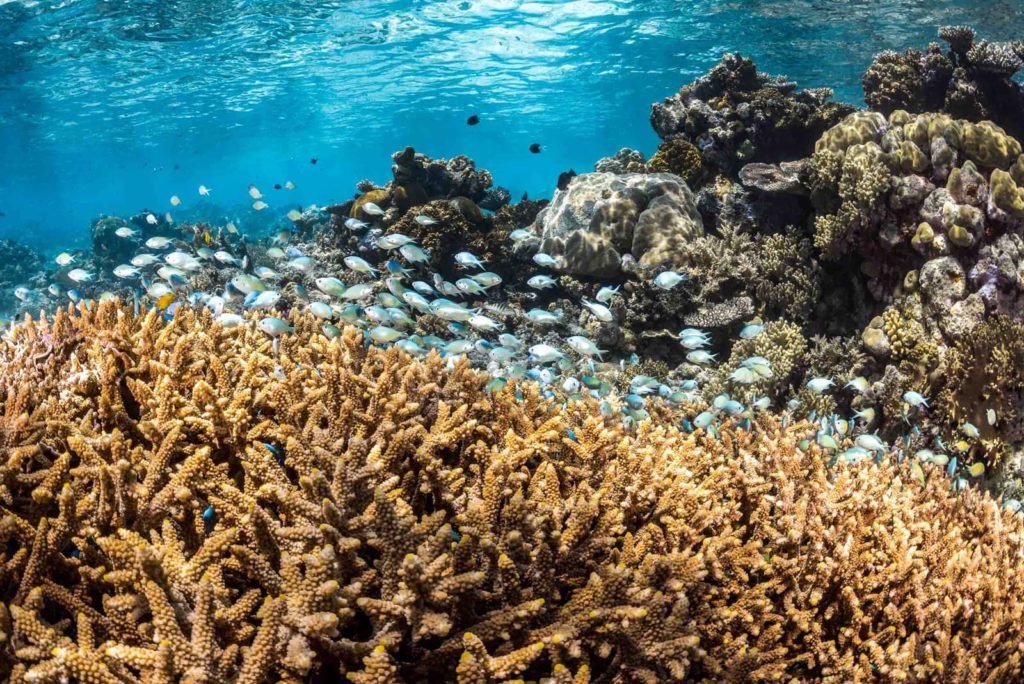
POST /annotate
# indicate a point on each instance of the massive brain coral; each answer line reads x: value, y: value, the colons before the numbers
x: 185, y: 502
x: 600, y: 217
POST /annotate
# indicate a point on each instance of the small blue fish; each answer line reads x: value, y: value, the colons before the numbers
x: 751, y: 331
x: 209, y: 518
x: 571, y: 434
x: 294, y: 252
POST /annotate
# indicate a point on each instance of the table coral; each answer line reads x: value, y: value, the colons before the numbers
x: 180, y: 503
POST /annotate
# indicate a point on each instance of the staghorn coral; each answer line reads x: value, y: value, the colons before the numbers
x: 175, y: 510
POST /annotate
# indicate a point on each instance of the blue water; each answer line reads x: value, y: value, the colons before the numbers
x: 115, y: 105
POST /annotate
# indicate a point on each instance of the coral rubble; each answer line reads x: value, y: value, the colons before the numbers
x: 186, y: 502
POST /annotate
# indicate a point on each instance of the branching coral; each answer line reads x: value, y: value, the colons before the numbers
x: 175, y: 508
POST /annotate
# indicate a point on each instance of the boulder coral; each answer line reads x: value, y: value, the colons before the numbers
x: 178, y: 502
x: 601, y: 217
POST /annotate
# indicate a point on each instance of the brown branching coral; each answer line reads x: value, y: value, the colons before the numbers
x: 181, y: 504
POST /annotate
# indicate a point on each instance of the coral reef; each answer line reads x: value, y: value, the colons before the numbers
x: 972, y: 80
x: 736, y: 114
x: 174, y: 508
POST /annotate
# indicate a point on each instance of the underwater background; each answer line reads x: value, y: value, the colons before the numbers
x: 112, y: 107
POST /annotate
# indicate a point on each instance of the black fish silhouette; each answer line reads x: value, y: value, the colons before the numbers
x: 535, y: 148
x: 473, y: 120
x: 564, y: 179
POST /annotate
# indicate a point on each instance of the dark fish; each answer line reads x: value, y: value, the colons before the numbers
x: 2, y: 214
x: 473, y: 120
x: 313, y: 161
x: 564, y: 178
x: 277, y: 186
x: 525, y: 197
x: 176, y: 167
x: 535, y: 148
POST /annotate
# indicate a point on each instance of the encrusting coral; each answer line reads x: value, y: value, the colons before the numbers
x: 185, y: 502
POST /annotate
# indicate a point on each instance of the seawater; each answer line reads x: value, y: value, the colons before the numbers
x: 111, y: 106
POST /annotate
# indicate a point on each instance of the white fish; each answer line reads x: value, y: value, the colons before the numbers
x: 289, y: 185
x: 151, y: 220
x: 321, y: 310
x: 509, y: 340
x: 183, y: 260
x: 80, y: 275
x: 372, y: 209
x: 204, y: 191
x: 125, y: 232
x: 819, y: 385
x: 274, y: 326
x: 158, y: 242
x: 175, y: 200
x: 542, y: 282
x: 216, y: 304
x: 141, y: 260
x: 545, y: 353
x: 125, y: 271
x: 230, y: 320
x: 542, y: 317
x: 225, y: 257
x: 259, y: 205
x: 605, y: 294
x: 158, y: 290
x: 356, y: 224
x: 413, y: 254
x: 382, y: 334
x: 453, y: 312
x: 266, y: 273
x: 294, y: 215
x: 520, y: 235
x: 393, y: 241
x: 487, y: 279
x: 276, y: 253
x: 669, y: 279
x: 545, y: 260
x: 425, y: 220
x: 63, y: 259
x: 870, y: 442
x: 481, y: 322
x: 23, y: 293
x: 600, y: 311
x: 359, y: 265
x: 255, y: 193
x: 166, y: 272
x: 330, y: 286
x: 266, y: 300
x: 303, y: 263
x: 467, y: 259
x: 358, y: 291
x: 584, y: 346
x: 469, y: 286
